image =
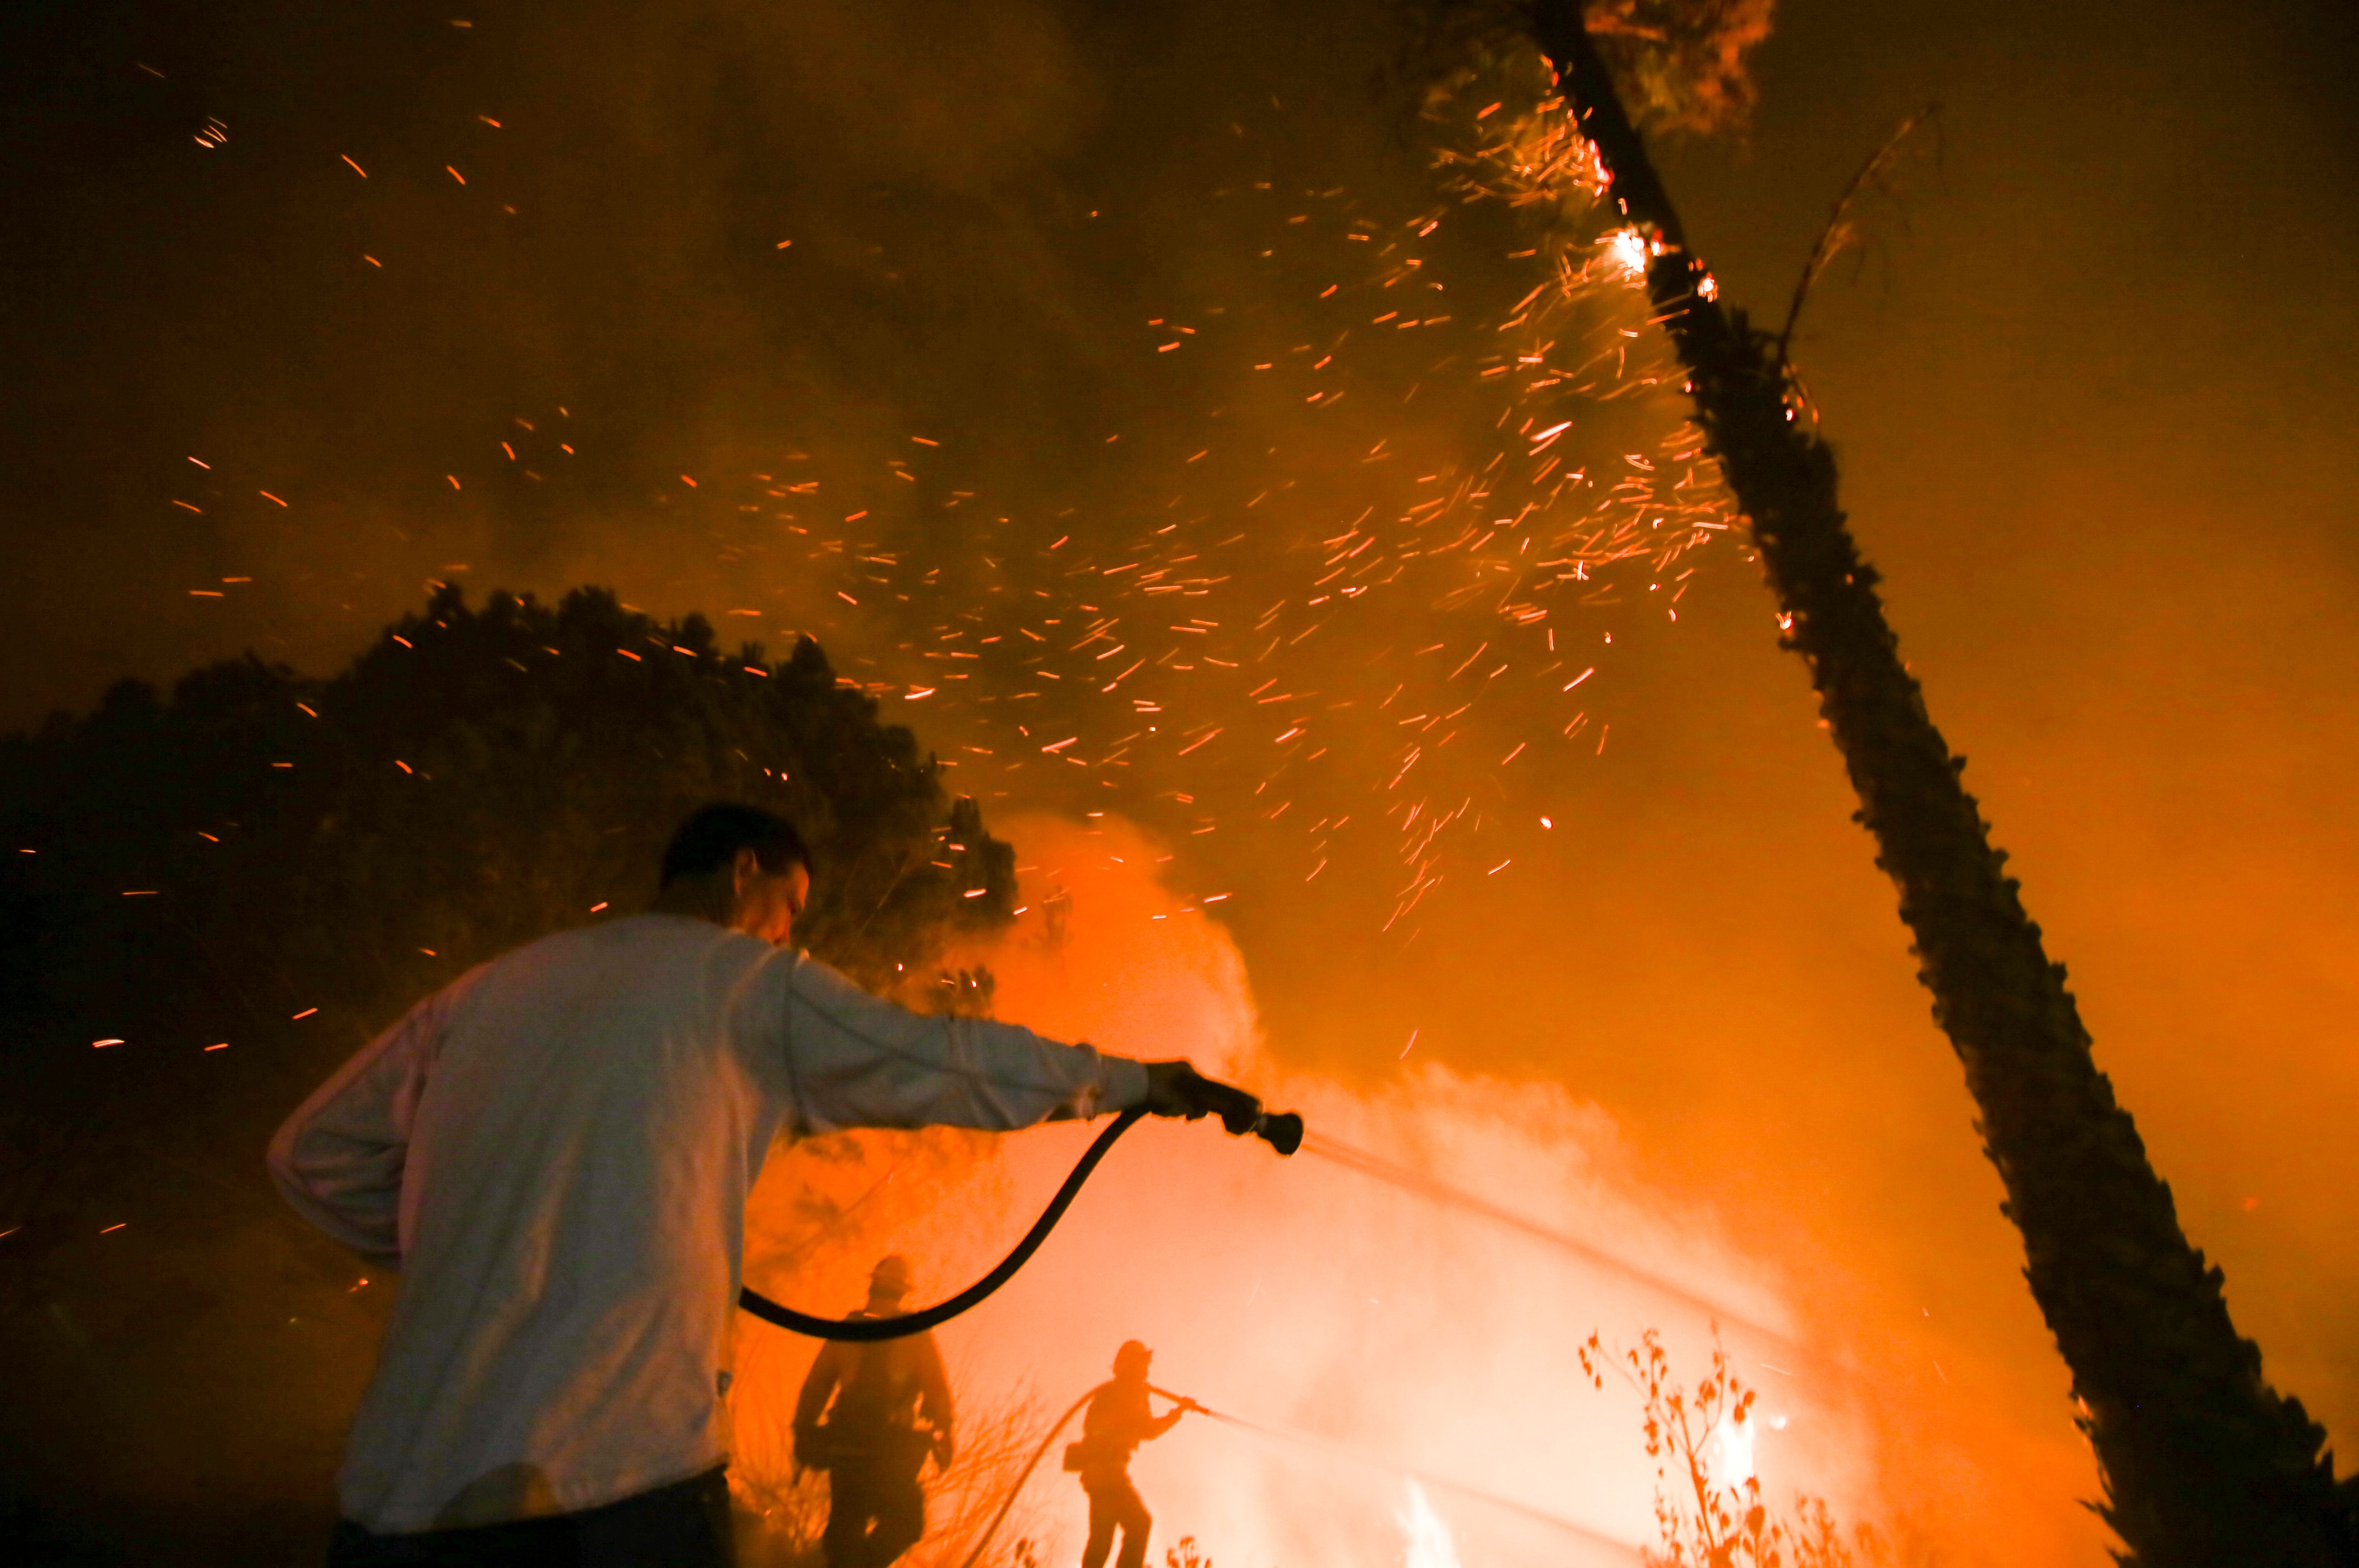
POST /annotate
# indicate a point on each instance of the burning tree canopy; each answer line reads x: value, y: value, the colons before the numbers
x: 1682, y: 67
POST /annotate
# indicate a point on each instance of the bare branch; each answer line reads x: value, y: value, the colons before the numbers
x: 1839, y: 231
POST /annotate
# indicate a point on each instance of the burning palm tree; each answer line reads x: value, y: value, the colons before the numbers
x: 2203, y: 1461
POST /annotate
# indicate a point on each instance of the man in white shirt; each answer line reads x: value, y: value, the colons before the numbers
x: 555, y: 1151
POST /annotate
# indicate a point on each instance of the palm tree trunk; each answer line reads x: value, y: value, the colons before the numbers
x: 2202, y: 1462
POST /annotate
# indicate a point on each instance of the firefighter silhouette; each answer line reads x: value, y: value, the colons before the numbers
x: 1119, y: 1420
x: 869, y: 1415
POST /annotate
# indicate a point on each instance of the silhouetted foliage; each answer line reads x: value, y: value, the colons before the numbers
x: 279, y: 866
x: 2203, y: 1462
x: 1709, y: 1511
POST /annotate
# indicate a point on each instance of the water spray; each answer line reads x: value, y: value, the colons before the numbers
x: 1435, y: 1191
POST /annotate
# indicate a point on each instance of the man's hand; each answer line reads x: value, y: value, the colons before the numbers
x: 1177, y: 1089
x: 1171, y: 1089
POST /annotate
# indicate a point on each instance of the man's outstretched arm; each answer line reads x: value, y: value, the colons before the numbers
x: 860, y: 1061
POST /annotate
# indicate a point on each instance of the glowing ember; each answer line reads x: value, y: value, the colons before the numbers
x: 1627, y: 247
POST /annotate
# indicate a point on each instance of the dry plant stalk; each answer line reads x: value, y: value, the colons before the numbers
x: 1702, y: 1519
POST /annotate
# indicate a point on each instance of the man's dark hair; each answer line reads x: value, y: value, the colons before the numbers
x: 709, y: 841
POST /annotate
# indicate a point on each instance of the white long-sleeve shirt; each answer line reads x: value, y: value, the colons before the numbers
x: 555, y: 1151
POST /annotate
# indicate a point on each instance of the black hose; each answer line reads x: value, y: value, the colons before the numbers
x: 865, y: 1331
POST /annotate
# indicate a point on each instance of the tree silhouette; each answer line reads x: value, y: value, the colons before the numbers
x: 2203, y: 1461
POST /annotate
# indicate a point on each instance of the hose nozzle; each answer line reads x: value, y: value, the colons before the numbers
x: 1282, y: 1130
x: 1242, y: 1115
x: 1177, y: 1089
